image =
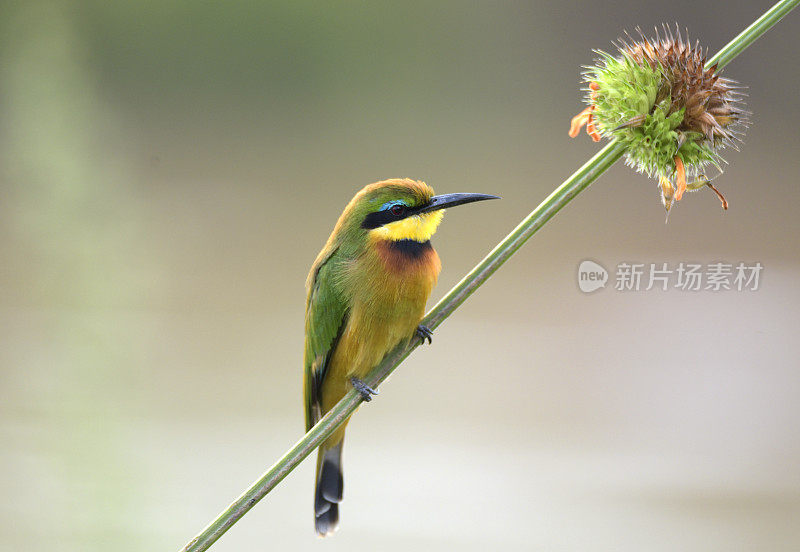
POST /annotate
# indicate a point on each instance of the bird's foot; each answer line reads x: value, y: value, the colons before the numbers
x: 365, y: 390
x: 424, y: 332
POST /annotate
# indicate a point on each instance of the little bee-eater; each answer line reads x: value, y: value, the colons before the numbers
x: 367, y: 292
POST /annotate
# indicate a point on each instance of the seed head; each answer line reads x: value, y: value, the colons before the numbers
x: 671, y: 112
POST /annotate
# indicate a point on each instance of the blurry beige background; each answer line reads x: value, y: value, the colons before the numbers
x: 168, y: 172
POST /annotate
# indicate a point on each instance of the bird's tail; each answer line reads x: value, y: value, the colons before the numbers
x: 328, y: 489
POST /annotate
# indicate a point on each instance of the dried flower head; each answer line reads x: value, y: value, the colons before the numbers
x: 671, y: 112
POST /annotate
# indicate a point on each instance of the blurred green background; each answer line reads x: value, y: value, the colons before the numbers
x: 168, y: 172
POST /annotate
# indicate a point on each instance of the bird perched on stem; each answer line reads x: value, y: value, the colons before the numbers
x: 367, y: 292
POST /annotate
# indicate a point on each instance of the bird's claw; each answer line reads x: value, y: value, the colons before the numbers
x: 424, y: 332
x: 365, y: 390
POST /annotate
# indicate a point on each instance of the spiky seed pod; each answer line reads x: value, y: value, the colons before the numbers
x: 672, y: 114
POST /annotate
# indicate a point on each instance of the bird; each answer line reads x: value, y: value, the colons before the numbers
x: 366, y: 294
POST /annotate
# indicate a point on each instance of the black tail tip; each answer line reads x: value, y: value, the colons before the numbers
x: 328, y: 492
x: 331, y: 482
x: 327, y: 522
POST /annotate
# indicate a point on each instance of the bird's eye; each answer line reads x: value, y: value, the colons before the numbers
x: 397, y: 210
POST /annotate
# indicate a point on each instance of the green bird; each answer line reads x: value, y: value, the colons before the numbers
x: 367, y: 291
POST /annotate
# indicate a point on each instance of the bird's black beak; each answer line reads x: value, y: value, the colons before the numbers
x: 451, y: 200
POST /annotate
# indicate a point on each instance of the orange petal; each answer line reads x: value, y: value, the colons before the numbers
x: 591, y: 130
x: 593, y: 88
x: 680, y: 178
x: 577, y: 122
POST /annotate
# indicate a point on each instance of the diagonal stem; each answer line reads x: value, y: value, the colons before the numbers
x: 562, y: 195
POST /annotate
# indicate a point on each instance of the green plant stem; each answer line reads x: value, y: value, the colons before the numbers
x: 562, y: 195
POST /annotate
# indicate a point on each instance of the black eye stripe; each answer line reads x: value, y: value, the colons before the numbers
x: 379, y: 218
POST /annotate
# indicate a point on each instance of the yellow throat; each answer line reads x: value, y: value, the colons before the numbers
x: 416, y: 227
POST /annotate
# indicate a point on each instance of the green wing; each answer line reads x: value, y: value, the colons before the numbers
x: 326, y: 315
